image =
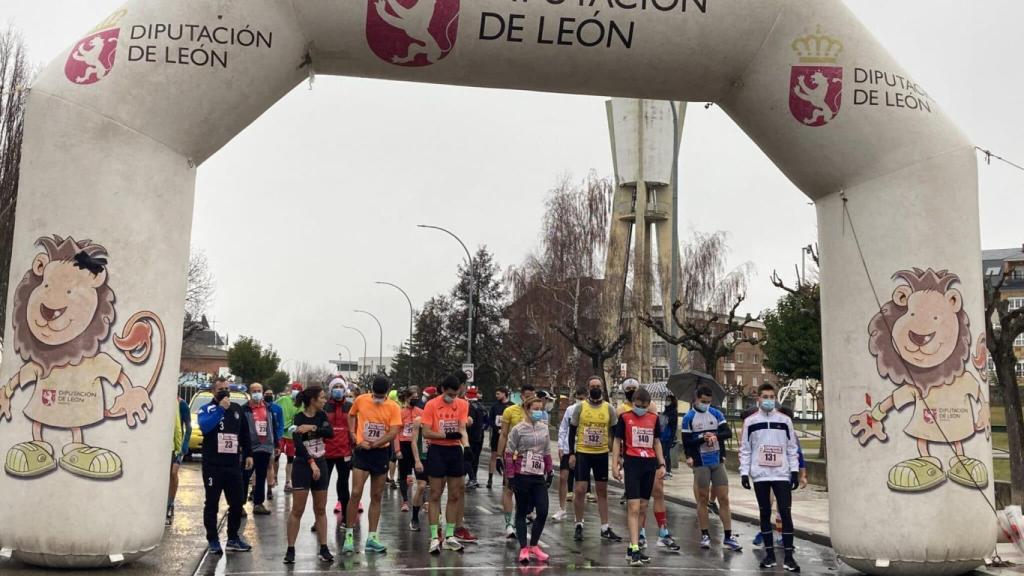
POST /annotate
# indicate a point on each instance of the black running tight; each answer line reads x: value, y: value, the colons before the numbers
x: 531, y: 495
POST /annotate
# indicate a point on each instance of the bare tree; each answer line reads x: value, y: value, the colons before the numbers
x: 312, y: 374
x: 559, y: 285
x: 706, y: 314
x: 198, y: 293
x: 1002, y: 327
x: 14, y: 80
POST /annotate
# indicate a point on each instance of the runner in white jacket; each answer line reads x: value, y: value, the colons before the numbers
x: 768, y: 456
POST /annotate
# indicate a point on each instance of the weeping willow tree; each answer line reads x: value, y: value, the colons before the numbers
x: 14, y: 78
x: 706, y: 315
x: 559, y: 286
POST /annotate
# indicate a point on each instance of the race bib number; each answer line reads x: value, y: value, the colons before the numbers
x: 315, y: 447
x: 643, y: 437
x: 407, y: 430
x: 373, y: 432
x: 533, y: 463
x: 769, y: 456
x: 227, y: 443
x: 449, y: 426
x: 497, y: 421
x: 261, y: 428
x: 595, y: 436
x: 708, y: 447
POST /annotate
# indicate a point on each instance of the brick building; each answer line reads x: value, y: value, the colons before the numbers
x: 1010, y: 262
x: 205, y: 352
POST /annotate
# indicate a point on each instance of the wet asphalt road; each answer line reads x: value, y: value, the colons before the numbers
x: 407, y: 553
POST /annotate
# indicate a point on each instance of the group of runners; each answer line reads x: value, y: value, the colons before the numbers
x: 422, y: 443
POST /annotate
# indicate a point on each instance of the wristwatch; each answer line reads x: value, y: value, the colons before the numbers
x: 661, y: 464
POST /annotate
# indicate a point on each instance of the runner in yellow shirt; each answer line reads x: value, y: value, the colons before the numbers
x: 590, y: 432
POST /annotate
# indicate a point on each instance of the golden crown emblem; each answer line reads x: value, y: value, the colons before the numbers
x: 112, y: 21
x: 818, y: 48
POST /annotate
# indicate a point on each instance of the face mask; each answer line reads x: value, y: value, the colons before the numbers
x: 629, y: 395
x: 295, y: 394
x: 767, y: 405
x: 700, y: 407
x: 596, y: 394
x: 268, y: 398
x: 337, y: 394
x: 257, y: 398
x: 448, y: 399
x: 537, y: 415
x: 639, y: 411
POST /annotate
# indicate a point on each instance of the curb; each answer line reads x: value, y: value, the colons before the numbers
x: 815, y: 537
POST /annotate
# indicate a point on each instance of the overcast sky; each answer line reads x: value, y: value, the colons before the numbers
x: 315, y: 189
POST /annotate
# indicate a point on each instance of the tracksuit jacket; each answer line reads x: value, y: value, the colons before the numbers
x: 773, y: 429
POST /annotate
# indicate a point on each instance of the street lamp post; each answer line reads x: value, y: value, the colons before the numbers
x: 412, y: 315
x: 360, y: 334
x: 469, y: 260
x: 380, y: 357
x: 673, y: 357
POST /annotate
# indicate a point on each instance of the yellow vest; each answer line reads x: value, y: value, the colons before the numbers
x: 592, y: 434
x: 513, y: 415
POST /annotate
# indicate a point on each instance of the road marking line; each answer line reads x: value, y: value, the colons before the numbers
x: 485, y: 510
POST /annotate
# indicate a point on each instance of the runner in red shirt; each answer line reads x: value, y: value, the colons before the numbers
x: 637, y: 439
x: 405, y: 458
x: 339, y: 448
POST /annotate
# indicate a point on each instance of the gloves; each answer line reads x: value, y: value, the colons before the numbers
x: 500, y: 466
x: 453, y: 436
x: 794, y: 480
x: 745, y: 481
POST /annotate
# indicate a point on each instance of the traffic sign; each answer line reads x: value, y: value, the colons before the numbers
x: 469, y: 370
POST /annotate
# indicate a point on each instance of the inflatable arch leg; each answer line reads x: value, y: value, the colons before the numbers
x: 119, y: 122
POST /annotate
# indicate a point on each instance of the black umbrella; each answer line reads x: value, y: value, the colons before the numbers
x: 684, y: 385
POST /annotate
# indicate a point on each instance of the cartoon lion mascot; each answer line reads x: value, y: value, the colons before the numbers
x: 921, y: 342
x: 62, y: 315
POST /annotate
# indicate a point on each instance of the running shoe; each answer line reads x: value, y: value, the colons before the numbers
x: 713, y: 508
x: 337, y: 508
x: 463, y: 534
x: 452, y: 543
x: 539, y: 554
x: 392, y: 484
x: 705, y: 542
x: 578, y: 534
x: 473, y: 485
x: 414, y: 525
x: 289, y: 556
x: 215, y: 547
x: 643, y: 541
x: 591, y: 497
x: 524, y: 556
x: 758, y: 539
x: 668, y: 542
x: 569, y: 497
x: 610, y: 535
x: 510, y: 532
x: 260, y: 509
x: 270, y: 493
x: 325, y: 555
x: 435, y: 546
x: 360, y: 507
x: 559, y: 516
x: 768, y: 562
x: 349, y: 547
x: 668, y: 475
x: 790, y: 565
x: 732, y: 544
x: 237, y: 545
x: 288, y: 488
x: 405, y: 506
x: 374, y: 545
x: 634, y: 558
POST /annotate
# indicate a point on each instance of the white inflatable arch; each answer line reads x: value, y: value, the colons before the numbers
x: 118, y: 124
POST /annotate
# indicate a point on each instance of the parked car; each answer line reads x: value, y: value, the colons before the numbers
x: 195, y: 442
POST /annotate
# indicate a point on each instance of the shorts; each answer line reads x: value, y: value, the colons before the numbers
x: 563, y: 464
x: 407, y: 456
x: 640, y: 474
x: 302, y: 476
x: 587, y: 463
x: 495, y: 437
x: 288, y: 448
x: 445, y: 462
x: 374, y: 461
x: 704, y: 476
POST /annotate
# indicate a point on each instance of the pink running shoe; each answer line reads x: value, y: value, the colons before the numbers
x: 337, y: 508
x: 539, y: 554
x: 405, y: 506
x: 524, y: 555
